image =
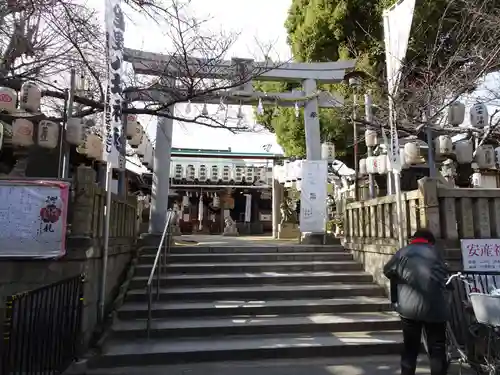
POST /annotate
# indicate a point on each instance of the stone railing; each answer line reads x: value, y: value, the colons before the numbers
x: 371, y: 226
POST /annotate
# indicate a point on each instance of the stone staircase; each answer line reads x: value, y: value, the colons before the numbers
x: 253, y: 302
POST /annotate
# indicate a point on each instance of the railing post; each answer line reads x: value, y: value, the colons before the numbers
x: 429, y: 205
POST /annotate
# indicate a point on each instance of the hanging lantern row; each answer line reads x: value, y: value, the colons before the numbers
x: 23, y: 133
x: 29, y: 99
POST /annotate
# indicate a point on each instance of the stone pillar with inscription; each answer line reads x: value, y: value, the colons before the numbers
x: 429, y: 205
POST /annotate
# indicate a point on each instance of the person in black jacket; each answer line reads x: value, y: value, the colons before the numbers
x: 418, y: 291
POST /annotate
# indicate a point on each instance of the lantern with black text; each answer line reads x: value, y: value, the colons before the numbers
x: 476, y: 180
x: 31, y: 96
x: 8, y: 98
x: 22, y: 132
x: 479, y: 115
x: 328, y: 151
x: 48, y: 134
x: 75, y: 131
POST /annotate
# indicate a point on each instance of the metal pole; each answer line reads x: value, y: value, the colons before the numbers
x: 355, y: 136
x: 430, y: 145
x: 107, y: 216
x: 122, y: 175
x: 369, y: 119
x: 396, y: 170
x: 69, y: 113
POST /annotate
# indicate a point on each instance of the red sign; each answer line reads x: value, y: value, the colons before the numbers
x: 6, y: 98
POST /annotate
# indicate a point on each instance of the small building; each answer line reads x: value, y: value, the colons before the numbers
x: 209, y: 185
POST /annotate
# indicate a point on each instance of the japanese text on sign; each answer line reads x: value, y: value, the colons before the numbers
x: 113, y: 129
x: 481, y: 254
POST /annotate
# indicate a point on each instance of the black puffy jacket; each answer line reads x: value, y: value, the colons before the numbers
x: 418, y: 283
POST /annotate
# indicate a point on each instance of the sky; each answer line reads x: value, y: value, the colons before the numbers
x: 258, y: 22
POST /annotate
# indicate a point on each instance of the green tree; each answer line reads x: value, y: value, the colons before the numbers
x: 452, y: 45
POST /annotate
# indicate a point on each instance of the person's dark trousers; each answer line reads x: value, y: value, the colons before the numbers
x: 436, y: 343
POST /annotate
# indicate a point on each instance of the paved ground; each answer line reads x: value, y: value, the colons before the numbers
x: 379, y: 365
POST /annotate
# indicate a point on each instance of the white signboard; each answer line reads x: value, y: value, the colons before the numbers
x: 481, y: 255
x: 33, y: 218
x: 313, y: 196
x: 113, y: 128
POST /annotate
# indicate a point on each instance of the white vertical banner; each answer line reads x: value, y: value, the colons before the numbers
x: 313, y: 196
x: 248, y: 208
x: 113, y: 128
x: 397, y: 26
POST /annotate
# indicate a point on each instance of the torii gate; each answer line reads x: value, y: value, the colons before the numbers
x: 309, y: 74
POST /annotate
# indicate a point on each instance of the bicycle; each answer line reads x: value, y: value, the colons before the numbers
x: 475, y: 321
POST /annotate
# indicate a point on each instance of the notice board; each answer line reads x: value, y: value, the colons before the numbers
x: 33, y: 218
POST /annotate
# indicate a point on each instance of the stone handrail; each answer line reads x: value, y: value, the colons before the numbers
x: 371, y: 226
x: 87, y: 209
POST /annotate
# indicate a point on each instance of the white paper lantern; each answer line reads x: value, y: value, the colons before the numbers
x: 371, y: 139
x: 456, y: 113
x: 371, y: 164
x: 464, y: 151
x: 8, y: 98
x: 328, y: 151
x: 131, y: 126
x: 92, y: 146
x: 48, y: 134
x: 479, y: 115
x: 75, y: 131
x: 485, y: 157
x: 362, y: 167
x: 402, y: 158
x: 136, y: 139
x: 444, y: 145
x: 31, y: 96
x: 476, y: 180
x: 412, y: 153
x: 216, y: 201
x: 382, y: 164
x: 22, y: 132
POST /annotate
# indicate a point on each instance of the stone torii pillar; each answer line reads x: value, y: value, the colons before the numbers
x: 161, y: 174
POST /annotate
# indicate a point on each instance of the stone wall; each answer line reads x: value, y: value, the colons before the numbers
x: 84, y: 250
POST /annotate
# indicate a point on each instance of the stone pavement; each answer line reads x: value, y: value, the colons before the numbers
x: 217, y: 240
x: 377, y: 365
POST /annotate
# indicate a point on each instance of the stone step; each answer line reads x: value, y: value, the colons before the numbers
x: 139, y: 310
x: 204, y: 268
x: 256, y: 278
x: 120, y: 353
x: 257, y: 325
x: 369, y: 365
x: 259, y: 292
x: 250, y: 257
x: 255, y: 248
